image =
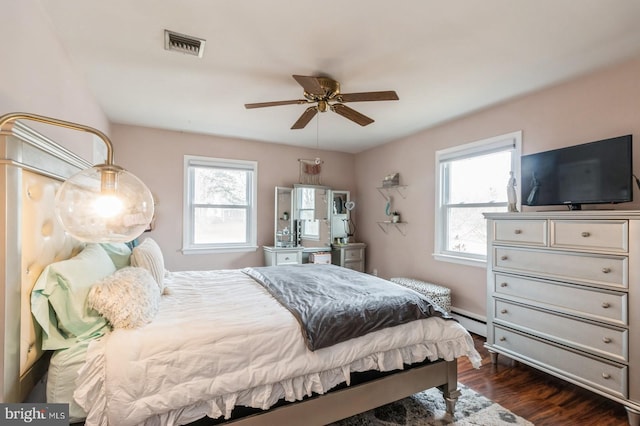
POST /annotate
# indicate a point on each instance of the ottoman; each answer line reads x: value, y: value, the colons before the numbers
x: 440, y: 295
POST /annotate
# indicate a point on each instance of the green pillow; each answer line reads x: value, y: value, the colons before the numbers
x: 120, y: 254
x: 58, y: 299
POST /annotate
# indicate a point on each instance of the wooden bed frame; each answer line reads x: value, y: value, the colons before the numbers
x: 32, y: 167
x: 346, y: 402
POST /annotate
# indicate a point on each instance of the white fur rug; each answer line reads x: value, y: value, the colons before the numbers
x: 427, y: 408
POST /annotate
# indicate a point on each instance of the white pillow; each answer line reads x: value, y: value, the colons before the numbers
x: 149, y: 256
x: 129, y: 298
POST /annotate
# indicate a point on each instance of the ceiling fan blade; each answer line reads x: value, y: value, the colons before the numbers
x: 276, y: 103
x: 305, y: 118
x: 351, y: 114
x: 310, y: 84
x: 388, y: 95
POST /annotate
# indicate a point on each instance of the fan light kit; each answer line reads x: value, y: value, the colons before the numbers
x: 324, y: 92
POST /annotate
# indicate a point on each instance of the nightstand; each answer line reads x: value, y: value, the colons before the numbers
x: 349, y: 255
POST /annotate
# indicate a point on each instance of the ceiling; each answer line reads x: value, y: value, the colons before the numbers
x: 444, y: 59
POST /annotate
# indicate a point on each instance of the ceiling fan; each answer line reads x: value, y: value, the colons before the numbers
x: 324, y: 93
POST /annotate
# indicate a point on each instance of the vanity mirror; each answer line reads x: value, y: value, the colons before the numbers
x: 339, y: 216
x: 311, y: 216
x: 283, y: 226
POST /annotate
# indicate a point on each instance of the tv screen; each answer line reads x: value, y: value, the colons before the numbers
x: 591, y: 173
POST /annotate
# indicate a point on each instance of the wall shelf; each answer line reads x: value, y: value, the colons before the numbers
x: 384, y: 225
x: 386, y: 191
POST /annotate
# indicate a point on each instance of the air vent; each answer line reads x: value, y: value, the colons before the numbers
x: 183, y: 43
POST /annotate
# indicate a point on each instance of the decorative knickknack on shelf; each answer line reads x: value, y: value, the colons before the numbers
x: 391, y: 184
x: 512, y: 198
x: 391, y: 180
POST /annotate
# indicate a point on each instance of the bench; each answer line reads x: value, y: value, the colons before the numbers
x: 440, y: 295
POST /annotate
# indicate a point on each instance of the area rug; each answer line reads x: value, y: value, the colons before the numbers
x: 427, y: 408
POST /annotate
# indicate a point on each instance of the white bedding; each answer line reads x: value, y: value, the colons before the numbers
x: 220, y: 340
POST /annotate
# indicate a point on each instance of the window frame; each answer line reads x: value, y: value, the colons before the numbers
x: 189, y: 206
x: 509, y: 141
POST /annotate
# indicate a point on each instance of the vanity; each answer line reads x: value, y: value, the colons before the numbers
x: 310, y: 219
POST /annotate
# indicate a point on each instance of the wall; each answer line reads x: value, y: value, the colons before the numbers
x: 38, y: 77
x: 596, y: 106
x: 156, y: 156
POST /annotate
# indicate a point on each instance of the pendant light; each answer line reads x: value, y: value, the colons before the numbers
x: 104, y: 203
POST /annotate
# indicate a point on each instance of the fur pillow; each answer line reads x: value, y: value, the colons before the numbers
x: 129, y: 298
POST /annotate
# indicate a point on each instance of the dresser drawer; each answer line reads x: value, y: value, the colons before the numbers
x: 598, y: 339
x: 603, y: 235
x: 588, y: 268
x: 608, y: 377
x: 357, y: 265
x: 287, y: 258
x: 353, y: 254
x: 531, y: 232
x: 583, y: 301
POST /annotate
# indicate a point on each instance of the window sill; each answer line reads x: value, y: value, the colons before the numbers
x: 479, y: 263
x: 217, y: 250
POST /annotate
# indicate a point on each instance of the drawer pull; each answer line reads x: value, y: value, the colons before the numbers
x: 606, y: 376
x: 503, y: 284
x: 504, y: 311
x: 606, y: 305
x: 517, y: 231
x: 286, y: 258
x: 502, y: 339
x: 586, y: 234
x: 504, y: 257
x: 606, y: 270
x: 606, y: 339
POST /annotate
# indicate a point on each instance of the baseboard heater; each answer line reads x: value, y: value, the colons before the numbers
x: 472, y: 322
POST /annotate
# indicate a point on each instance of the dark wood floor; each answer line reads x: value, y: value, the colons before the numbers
x: 539, y: 397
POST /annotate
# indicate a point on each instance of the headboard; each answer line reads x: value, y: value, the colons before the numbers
x: 32, y: 167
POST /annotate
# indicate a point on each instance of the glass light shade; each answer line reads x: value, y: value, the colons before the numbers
x: 104, y: 204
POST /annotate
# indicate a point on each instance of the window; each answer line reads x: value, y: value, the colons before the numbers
x: 220, y: 205
x: 472, y: 179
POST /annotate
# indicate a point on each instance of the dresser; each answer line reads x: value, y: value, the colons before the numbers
x: 282, y: 255
x: 563, y: 296
x: 349, y: 255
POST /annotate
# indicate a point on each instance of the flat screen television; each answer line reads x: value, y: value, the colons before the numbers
x: 591, y: 173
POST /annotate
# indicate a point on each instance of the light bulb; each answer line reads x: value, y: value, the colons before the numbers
x: 108, y: 205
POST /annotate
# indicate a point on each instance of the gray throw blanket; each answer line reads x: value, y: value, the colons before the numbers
x: 335, y: 304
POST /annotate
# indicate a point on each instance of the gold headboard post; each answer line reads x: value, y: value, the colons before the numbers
x: 31, y: 168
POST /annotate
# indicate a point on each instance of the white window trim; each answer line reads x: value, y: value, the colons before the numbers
x: 187, y: 239
x: 459, y: 152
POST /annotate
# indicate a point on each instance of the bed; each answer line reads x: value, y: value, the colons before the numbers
x: 138, y: 375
